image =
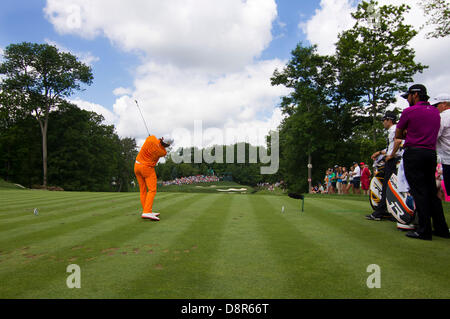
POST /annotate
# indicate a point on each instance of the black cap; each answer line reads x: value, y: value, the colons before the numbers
x: 416, y: 88
x: 389, y: 115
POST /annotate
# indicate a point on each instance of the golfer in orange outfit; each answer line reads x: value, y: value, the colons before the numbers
x: 144, y: 169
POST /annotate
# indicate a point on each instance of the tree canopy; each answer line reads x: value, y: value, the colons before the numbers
x: 334, y: 110
x: 84, y: 153
x: 36, y: 79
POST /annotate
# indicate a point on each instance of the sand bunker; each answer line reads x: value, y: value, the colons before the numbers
x: 233, y: 190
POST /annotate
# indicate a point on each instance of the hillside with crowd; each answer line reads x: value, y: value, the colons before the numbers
x: 192, y: 180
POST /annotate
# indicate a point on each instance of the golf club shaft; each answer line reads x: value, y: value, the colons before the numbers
x: 148, y: 132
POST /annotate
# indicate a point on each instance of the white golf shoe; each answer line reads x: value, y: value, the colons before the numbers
x: 151, y: 216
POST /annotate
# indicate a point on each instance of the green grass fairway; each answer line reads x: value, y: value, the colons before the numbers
x: 210, y: 246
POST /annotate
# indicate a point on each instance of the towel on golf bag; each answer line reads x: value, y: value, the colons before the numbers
x: 402, y: 183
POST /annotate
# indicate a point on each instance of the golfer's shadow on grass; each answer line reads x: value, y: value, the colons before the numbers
x: 298, y: 196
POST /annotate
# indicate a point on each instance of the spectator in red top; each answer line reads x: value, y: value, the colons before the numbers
x: 365, y: 178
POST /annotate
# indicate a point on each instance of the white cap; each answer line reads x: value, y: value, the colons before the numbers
x: 444, y: 97
x: 167, y: 140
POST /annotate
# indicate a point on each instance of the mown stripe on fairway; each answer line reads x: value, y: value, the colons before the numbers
x: 77, y: 216
x: 62, y: 224
x: 369, y: 242
x: 86, y: 216
x: 105, y: 268
x: 143, y: 274
x: 112, y: 231
x: 244, y: 266
x: 48, y: 203
x: 310, y: 272
x: 50, y: 212
x: 78, y: 204
x: 73, y: 204
x: 185, y: 265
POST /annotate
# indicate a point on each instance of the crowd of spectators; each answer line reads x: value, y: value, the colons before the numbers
x: 340, y: 180
x: 192, y: 180
x: 269, y: 186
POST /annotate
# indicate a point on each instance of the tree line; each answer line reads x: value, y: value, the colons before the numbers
x: 242, y: 168
x: 83, y: 153
x: 333, y: 113
x: 46, y: 139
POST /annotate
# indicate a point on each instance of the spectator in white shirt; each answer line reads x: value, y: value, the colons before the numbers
x: 356, y: 178
x: 389, y: 120
x: 442, y: 102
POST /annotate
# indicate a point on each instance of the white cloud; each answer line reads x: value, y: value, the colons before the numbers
x: 110, y: 117
x: 85, y: 57
x: 198, y: 62
x: 333, y: 17
x: 215, y: 35
x: 328, y: 21
x: 172, y: 98
x: 122, y: 91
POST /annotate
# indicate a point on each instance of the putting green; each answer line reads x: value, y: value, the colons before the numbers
x: 210, y: 246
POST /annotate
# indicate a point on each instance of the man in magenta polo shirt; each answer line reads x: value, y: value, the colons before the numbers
x: 420, y: 124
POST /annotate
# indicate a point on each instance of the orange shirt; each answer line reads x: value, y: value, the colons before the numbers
x: 151, y: 151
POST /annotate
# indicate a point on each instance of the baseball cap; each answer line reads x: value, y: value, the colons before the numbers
x: 361, y: 164
x: 444, y: 97
x: 389, y: 115
x: 167, y: 140
x: 416, y: 88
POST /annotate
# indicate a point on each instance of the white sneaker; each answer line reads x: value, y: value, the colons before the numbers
x: 151, y: 216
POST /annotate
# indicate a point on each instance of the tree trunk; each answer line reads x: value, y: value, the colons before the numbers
x: 44, y: 149
x: 44, y: 154
x: 374, y: 115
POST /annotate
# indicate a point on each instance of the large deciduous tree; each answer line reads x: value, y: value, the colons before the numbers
x: 37, y: 78
x: 379, y: 62
x: 438, y: 13
x: 318, y: 115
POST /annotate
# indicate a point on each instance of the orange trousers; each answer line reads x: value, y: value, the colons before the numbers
x: 146, y: 177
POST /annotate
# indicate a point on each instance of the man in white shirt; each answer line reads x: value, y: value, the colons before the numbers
x: 389, y: 120
x: 442, y: 102
x: 356, y: 178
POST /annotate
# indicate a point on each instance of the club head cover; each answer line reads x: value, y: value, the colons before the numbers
x: 296, y: 196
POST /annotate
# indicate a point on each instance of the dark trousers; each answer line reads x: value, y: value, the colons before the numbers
x: 420, y: 168
x: 389, y: 169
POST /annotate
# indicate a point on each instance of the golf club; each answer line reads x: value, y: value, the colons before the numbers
x: 142, y: 116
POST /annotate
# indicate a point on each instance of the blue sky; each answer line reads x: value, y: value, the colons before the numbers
x: 187, y: 61
x: 24, y: 20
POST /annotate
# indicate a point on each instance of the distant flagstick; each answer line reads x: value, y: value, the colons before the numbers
x: 142, y: 116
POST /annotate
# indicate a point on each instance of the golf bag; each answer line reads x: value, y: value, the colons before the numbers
x: 399, y: 204
x: 376, y: 182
